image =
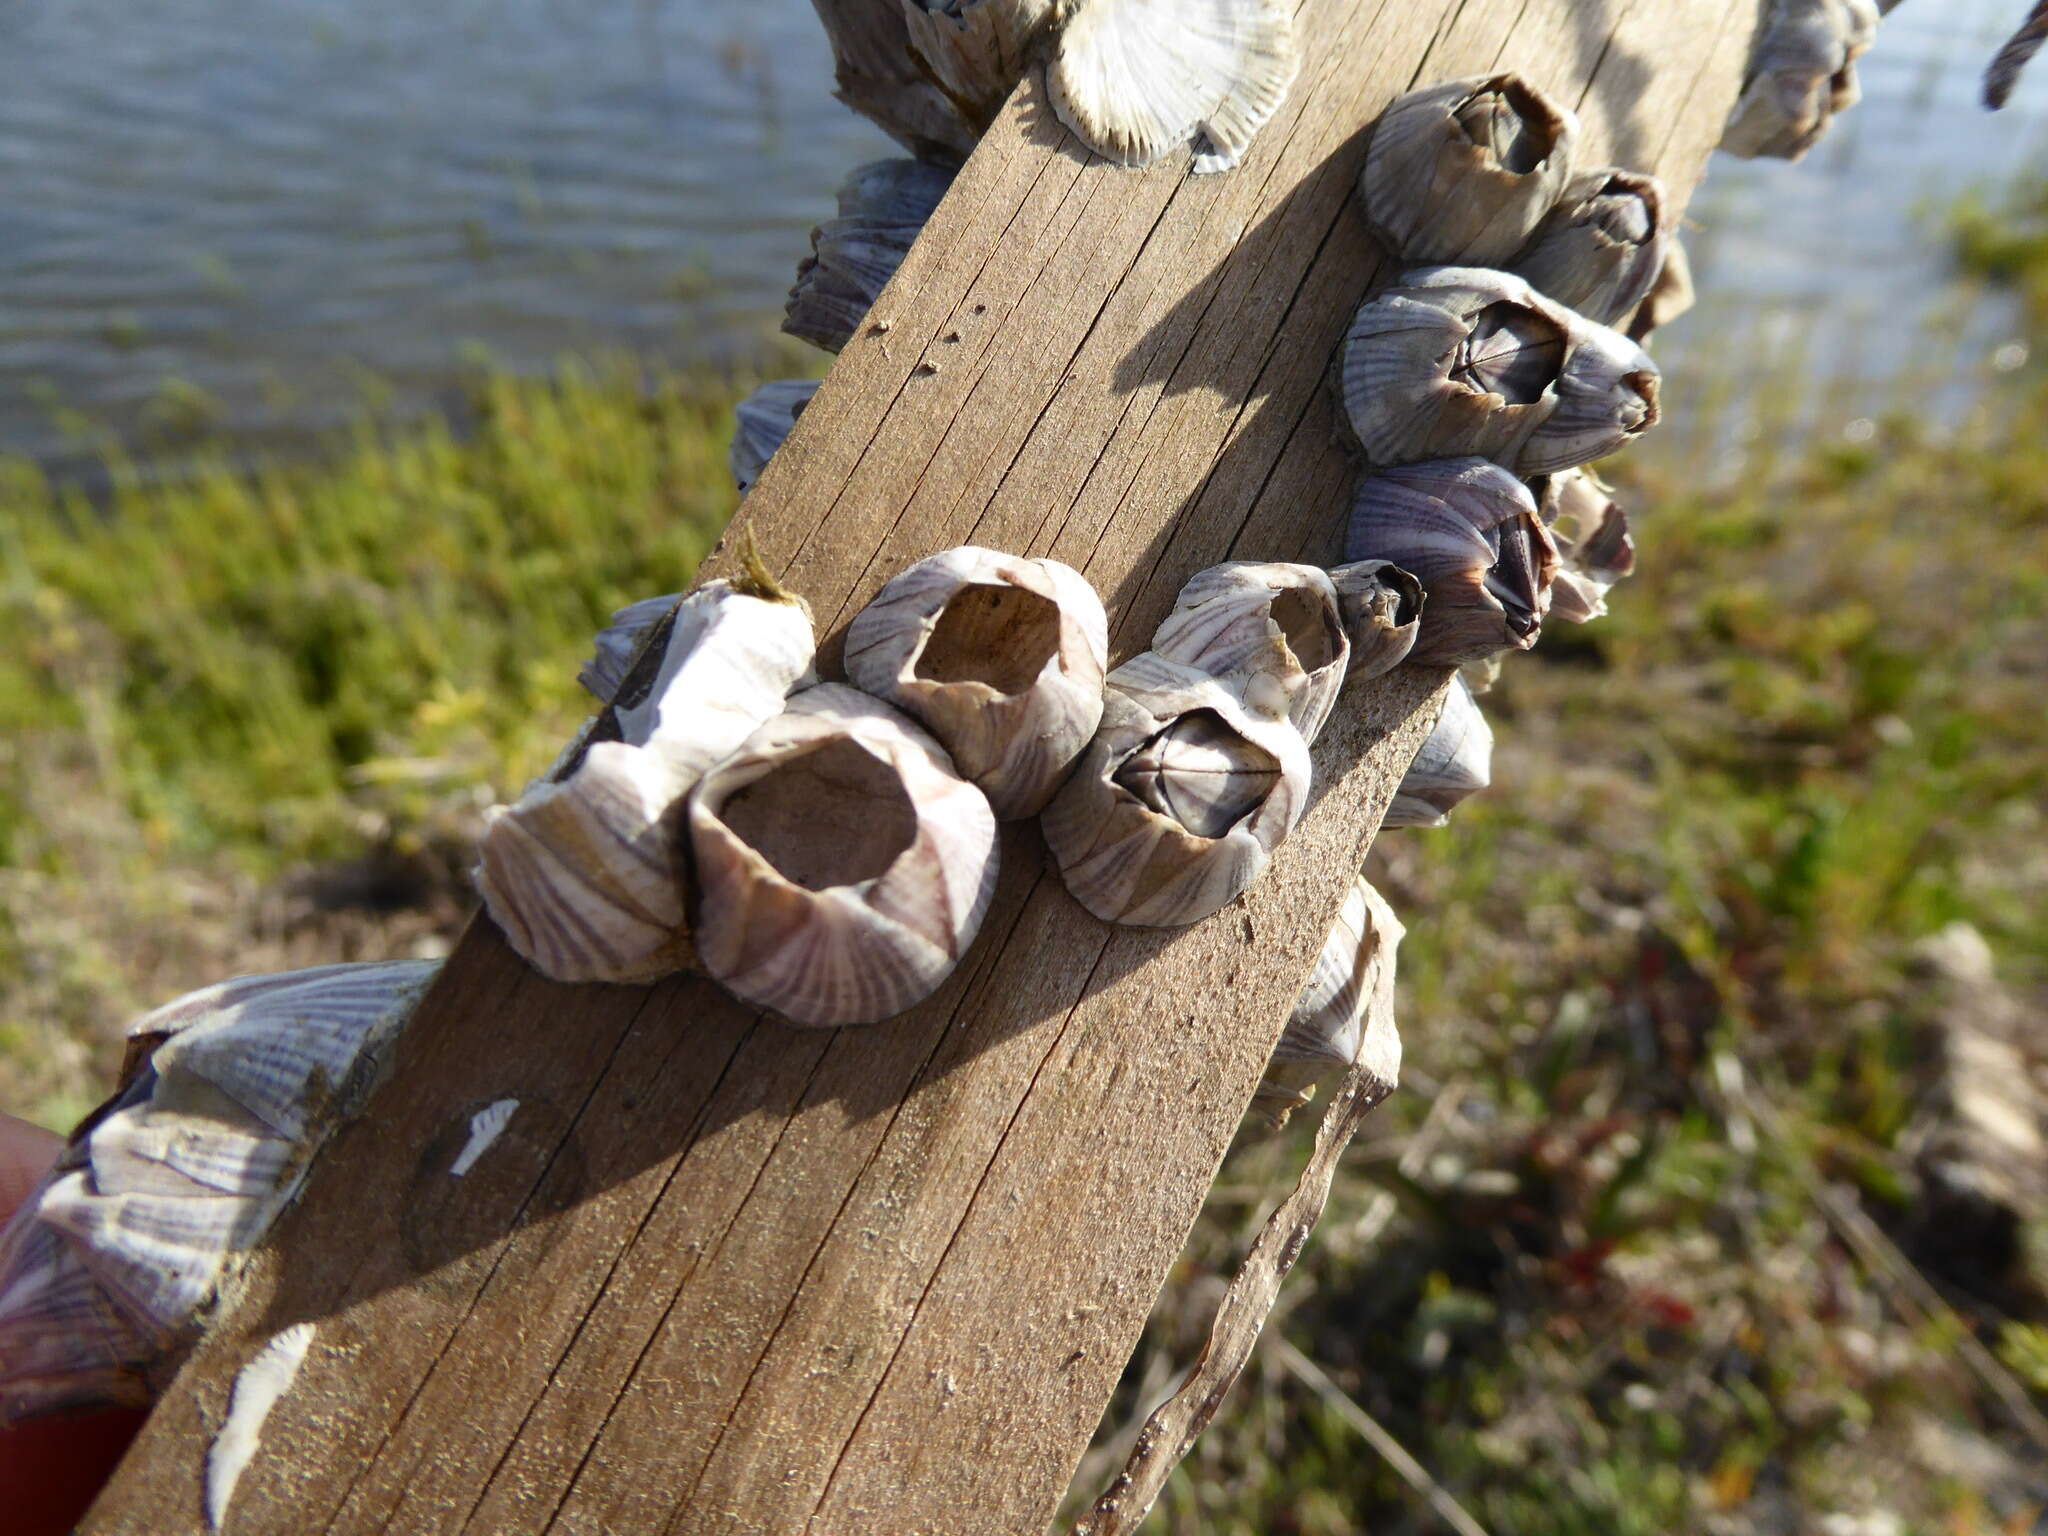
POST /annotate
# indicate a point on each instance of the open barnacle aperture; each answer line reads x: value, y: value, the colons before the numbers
x: 1469, y: 532
x: 1457, y: 361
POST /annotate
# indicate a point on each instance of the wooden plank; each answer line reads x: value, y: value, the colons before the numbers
x: 724, y: 1275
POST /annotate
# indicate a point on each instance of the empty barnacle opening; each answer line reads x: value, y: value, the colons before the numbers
x: 1623, y: 213
x: 992, y: 633
x: 834, y: 815
x: 1507, y: 118
x: 1512, y: 351
x: 1201, y: 773
x: 1643, y: 415
x: 1307, y: 626
x: 1520, y: 579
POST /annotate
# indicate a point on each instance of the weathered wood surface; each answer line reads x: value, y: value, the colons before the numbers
x: 724, y: 1275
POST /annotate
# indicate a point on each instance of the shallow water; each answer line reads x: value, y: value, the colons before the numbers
x: 255, y: 215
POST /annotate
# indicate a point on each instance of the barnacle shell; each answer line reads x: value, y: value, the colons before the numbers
x: 1345, y: 1013
x: 619, y: 642
x: 1382, y: 609
x: 1464, y: 360
x: 1606, y: 397
x: 1801, y: 73
x: 1470, y: 533
x: 1594, y: 548
x: 1463, y: 172
x: 1137, y: 79
x: 1275, y: 631
x: 882, y: 210
x: 1180, y: 800
x: 1669, y: 297
x: 976, y: 50
x: 1455, y: 761
x: 760, y: 424
x: 2019, y: 49
x: 999, y: 657
x: 1601, y: 249
x: 585, y: 876
x: 104, y: 1270
x: 843, y: 867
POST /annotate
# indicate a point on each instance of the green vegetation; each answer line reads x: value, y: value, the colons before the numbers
x: 1688, y: 997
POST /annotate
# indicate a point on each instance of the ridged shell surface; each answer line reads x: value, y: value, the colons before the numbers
x: 1595, y: 550
x: 1456, y: 761
x: 1382, y: 609
x: 1670, y: 296
x: 1465, y: 171
x: 1345, y: 1013
x: 882, y: 210
x: 760, y: 424
x: 586, y: 877
x: 1120, y: 852
x: 1137, y: 79
x: 1606, y: 398
x: 105, y: 1268
x: 1469, y: 532
x: 1603, y: 246
x: 1000, y: 657
x: 977, y: 50
x: 619, y: 642
x: 843, y: 867
x: 1801, y: 73
x: 1275, y: 631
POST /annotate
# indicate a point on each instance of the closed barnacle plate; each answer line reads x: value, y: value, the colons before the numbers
x: 1606, y: 398
x: 1345, y: 1014
x: 586, y: 876
x: 1464, y: 172
x: 999, y: 657
x: 1470, y: 533
x: 1137, y: 79
x: 760, y: 424
x: 1179, y: 801
x: 1456, y: 761
x: 842, y: 866
x: 1275, y: 631
x: 1601, y: 250
x: 1452, y: 361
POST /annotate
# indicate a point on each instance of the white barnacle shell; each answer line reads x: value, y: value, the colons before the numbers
x: 1382, y: 609
x: 976, y: 50
x: 1276, y: 631
x: 106, y: 1268
x: 1179, y: 801
x: 1602, y: 248
x: 1345, y: 1014
x: 1463, y: 172
x: 843, y: 867
x: 1470, y: 533
x: 1594, y: 548
x: 1801, y: 72
x: 586, y: 875
x: 1136, y: 79
x: 761, y: 423
x: 882, y: 210
x: 999, y: 657
x: 1455, y: 761
x: 1464, y: 360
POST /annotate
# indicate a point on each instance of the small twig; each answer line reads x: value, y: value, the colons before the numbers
x: 1413, y: 1473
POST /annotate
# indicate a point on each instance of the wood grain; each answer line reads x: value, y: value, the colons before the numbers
x: 720, y: 1274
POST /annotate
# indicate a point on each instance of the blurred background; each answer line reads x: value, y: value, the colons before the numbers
x: 354, y: 364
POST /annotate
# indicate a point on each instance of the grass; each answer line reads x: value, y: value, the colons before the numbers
x: 1683, y: 995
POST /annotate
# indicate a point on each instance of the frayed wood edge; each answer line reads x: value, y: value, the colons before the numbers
x: 1174, y: 1427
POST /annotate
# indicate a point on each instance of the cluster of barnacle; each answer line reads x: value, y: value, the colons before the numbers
x: 1802, y: 72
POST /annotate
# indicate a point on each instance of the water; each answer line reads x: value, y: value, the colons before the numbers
x: 255, y: 215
